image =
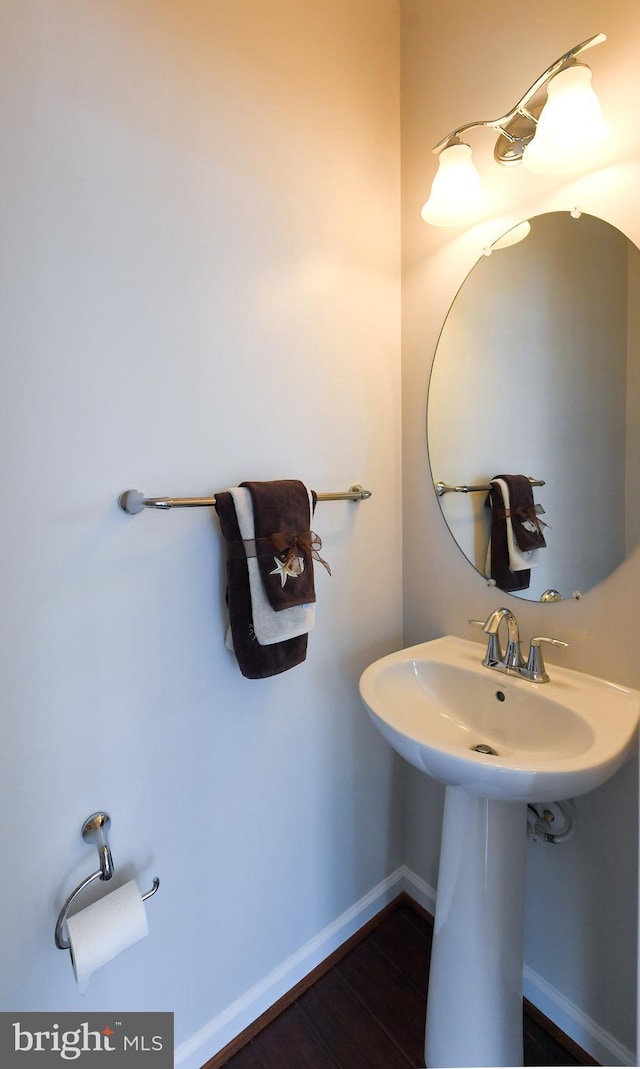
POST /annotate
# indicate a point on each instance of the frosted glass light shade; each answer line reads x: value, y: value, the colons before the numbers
x: 570, y: 127
x: 456, y: 194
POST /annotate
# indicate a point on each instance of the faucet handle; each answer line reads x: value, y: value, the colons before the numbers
x: 494, y: 653
x: 535, y: 668
x: 552, y: 641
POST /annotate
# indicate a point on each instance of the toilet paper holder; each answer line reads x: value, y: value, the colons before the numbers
x: 94, y: 830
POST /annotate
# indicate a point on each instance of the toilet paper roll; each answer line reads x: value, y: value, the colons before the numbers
x: 103, y: 930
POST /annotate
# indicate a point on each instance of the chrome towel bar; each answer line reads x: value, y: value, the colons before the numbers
x: 94, y: 830
x: 134, y: 501
x: 447, y: 488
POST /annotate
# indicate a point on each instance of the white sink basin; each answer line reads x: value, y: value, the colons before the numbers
x: 434, y: 702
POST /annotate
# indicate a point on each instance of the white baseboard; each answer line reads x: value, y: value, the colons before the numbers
x: 420, y: 891
x: 573, y: 1022
x: 219, y: 1031
x: 215, y: 1035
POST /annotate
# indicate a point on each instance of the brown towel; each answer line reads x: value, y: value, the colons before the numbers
x: 523, y: 512
x: 255, y: 661
x: 499, y: 549
x: 526, y: 527
x: 282, y: 524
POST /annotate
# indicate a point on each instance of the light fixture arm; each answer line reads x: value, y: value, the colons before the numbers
x: 520, y: 111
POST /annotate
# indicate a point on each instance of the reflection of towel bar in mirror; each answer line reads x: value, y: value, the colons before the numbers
x: 134, y: 501
x: 447, y: 488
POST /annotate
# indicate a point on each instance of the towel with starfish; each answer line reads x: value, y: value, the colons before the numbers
x: 256, y: 661
x: 269, y: 625
x: 286, y: 547
x: 516, y: 533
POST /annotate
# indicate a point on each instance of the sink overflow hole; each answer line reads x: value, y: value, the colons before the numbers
x: 500, y: 695
x: 483, y: 748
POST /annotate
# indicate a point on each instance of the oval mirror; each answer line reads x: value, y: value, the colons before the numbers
x: 537, y: 373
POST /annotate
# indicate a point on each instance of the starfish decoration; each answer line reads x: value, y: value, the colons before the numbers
x: 288, y: 568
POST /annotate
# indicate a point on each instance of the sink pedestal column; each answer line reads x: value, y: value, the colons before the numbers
x: 474, y: 1007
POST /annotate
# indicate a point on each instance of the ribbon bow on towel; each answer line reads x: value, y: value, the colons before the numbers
x: 294, y: 547
x: 530, y: 518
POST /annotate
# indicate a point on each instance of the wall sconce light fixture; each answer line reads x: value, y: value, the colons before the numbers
x: 553, y: 128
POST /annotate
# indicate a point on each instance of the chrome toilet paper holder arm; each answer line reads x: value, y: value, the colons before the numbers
x: 94, y: 830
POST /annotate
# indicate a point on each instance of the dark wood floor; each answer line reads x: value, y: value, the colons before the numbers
x: 368, y: 1011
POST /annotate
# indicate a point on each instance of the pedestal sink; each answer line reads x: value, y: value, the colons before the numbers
x: 435, y: 703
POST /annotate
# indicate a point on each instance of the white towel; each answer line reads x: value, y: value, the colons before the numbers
x: 269, y: 626
x: 519, y: 560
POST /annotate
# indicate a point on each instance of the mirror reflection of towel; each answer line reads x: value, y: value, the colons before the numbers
x: 512, y: 549
x: 523, y: 514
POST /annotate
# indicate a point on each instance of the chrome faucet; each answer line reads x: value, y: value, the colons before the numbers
x: 512, y: 662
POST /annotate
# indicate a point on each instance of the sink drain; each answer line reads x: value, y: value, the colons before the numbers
x: 483, y: 748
